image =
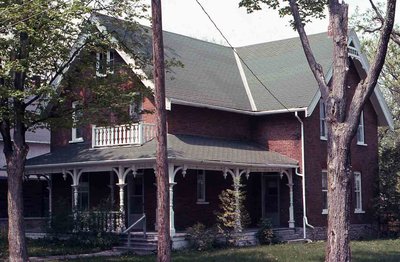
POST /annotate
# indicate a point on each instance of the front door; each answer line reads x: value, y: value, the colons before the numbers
x: 135, y: 198
x: 270, y: 200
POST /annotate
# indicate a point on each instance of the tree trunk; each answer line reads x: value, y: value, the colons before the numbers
x: 16, y: 228
x: 164, y: 239
x: 339, y: 190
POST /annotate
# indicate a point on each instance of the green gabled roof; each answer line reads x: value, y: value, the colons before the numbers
x: 283, y: 69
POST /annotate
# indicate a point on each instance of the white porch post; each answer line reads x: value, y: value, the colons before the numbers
x: 122, y: 173
x: 290, y: 184
x: 172, y: 183
x: 50, y: 189
x: 75, y: 175
x: 172, y: 171
x: 121, y: 205
x: 75, y: 189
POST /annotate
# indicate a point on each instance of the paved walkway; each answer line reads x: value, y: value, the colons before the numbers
x: 108, y: 253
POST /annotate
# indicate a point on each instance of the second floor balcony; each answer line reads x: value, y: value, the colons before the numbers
x: 131, y: 134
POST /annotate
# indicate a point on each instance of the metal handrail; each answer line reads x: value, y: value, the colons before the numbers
x: 130, y: 228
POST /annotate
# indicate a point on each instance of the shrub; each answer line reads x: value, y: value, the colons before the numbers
x: 265, y: 234
x: 3, y: 242
x: 200, y: 237
x: 227, y: 223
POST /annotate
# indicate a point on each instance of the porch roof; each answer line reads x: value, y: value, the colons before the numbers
x: 183, y: 148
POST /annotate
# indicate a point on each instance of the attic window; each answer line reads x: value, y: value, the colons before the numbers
x: 352, y: 51
x: 105, y: 63
x: 135, y: 107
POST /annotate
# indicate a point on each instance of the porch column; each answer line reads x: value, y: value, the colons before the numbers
x: 75, y: 189
x: 236, y: 176
x: 290, y: 184
x: 172, y: 171
x: 75, y: 175
x: 50, y: 190
x: 121, y: 221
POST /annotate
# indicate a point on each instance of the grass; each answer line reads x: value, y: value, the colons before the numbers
x: 365, y: 251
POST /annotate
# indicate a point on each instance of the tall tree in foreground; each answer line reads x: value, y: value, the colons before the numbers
x: 342, y: 112
x: 36, y: 39
x: 164, y: 239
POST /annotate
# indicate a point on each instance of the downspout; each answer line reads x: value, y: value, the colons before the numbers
x: 303, y: 180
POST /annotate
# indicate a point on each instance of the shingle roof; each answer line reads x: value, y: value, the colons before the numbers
x: 180, y: 147
x: 210, y: 75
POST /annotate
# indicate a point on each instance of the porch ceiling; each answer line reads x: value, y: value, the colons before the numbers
x: 180, y: 148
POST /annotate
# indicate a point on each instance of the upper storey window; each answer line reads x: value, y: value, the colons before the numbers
x: 105, y: 63
x: 322, y: 121
x: 361, y: 130
x: 77, y: 131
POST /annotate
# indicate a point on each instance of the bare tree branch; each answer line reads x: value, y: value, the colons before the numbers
x: 315, y: 67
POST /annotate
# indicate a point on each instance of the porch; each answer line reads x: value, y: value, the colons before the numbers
x: 122, y: 178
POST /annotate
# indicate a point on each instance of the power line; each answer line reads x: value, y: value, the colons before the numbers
x: 241, y: 59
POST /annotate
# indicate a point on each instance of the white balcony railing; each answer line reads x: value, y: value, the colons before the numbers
x: 133, y: 134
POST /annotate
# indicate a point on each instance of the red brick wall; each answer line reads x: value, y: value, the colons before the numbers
x: 364, y: 160
x: 207, y: 122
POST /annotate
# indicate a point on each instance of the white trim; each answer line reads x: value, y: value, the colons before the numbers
x: 232, y: 110
x: 245, y: 83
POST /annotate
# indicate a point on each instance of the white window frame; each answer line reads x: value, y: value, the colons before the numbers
x: 358, y: 193
x: 201, y: 182
x: 74, y: 129
x: 110, y: 58
x: 324, y: 190
x: 361, y: 131
x: 323, y: 128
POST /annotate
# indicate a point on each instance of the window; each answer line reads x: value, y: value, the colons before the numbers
x: 105, y: 63
x: 357, y: 193
x: 360, y: 130
x: 83, y: 193
x: 201, y: 187
x: 76, y: 132
x: 135, y: 107
x: 322, y: 121
x: 324, y: 192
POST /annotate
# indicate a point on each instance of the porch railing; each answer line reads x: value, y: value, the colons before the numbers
x: 131, y: 227
x: 133, y: 134
x: 107, y: 221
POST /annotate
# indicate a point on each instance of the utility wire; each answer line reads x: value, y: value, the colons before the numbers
x: 241, y: 59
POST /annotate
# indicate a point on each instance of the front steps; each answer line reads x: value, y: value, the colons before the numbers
x: 141, y: 245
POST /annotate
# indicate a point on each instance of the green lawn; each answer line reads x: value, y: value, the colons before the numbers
x: 367, y: 251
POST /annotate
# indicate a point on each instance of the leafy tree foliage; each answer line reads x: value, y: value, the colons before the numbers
x: 39, y: 41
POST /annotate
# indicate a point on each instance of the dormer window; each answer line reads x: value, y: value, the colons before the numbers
x: 322, y: 121
x: 76, y: 131
x: 105, y: 63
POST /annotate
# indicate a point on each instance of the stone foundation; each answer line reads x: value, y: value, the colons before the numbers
x: 356, y: 231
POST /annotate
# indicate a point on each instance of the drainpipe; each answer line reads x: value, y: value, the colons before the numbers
x: 303, y: 179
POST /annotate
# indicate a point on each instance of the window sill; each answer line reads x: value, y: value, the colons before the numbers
x: 359, y: 211
x: 202, y: 203
x: 323, y: 138
x: 324, y: 211
x: 76, y: 140
x: 361, y: 144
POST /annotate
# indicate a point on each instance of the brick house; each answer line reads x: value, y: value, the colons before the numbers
x: 224, y: 126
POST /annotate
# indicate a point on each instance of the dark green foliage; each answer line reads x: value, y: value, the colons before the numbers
x: 201, y: 238
x: 265, y: 234
x: 3, y: 242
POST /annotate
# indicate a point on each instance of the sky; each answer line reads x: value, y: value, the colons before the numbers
x: 186, y: 17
